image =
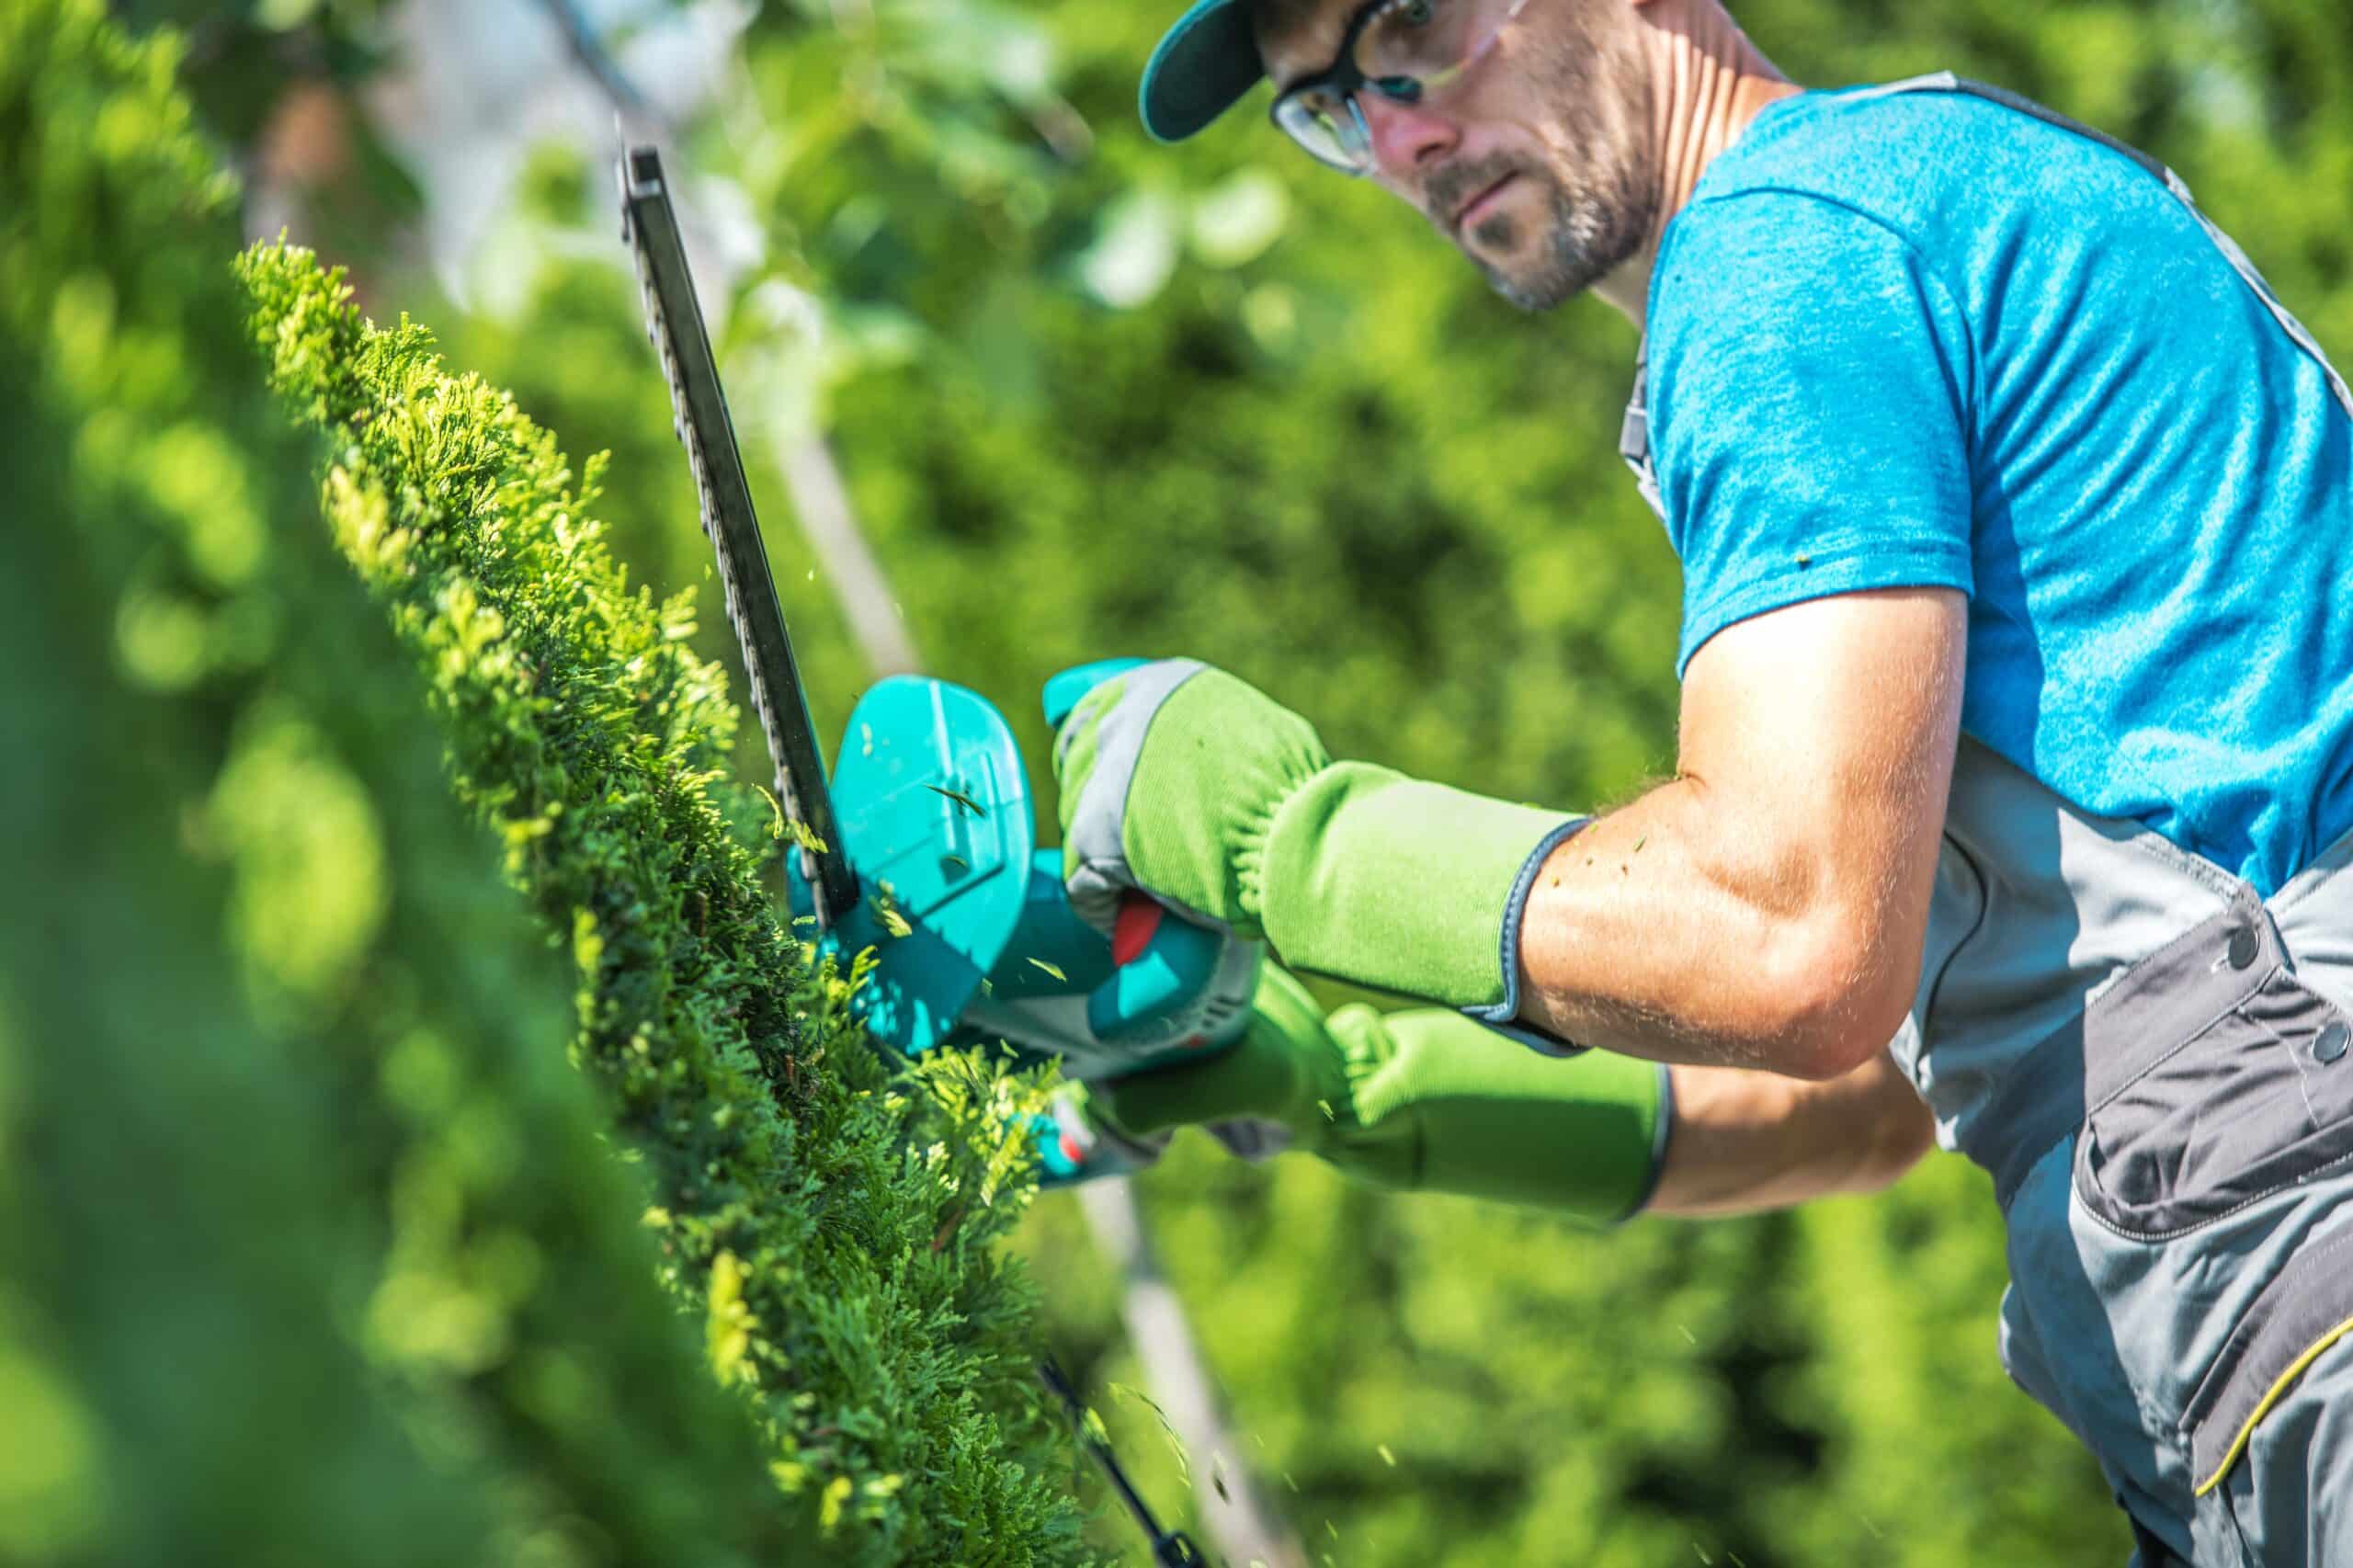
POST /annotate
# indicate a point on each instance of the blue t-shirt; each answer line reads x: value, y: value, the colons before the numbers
x: 1920, y: 338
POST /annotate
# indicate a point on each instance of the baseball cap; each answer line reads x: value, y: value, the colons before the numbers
x: 1206, y: 61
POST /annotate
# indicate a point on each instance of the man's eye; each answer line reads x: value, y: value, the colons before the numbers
x: 1404, y: 16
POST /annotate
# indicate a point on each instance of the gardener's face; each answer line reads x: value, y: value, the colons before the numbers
x: 1534, y: 160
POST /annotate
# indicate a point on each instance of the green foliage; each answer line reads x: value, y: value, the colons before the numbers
x: 311, y: 1248
x: 308, y: 1249
x: 836, y: 1221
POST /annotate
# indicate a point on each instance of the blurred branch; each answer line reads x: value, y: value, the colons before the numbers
x: 1063, y: 128
x: 1235, y: 1515
x: 822, y: 501
x: 589, y: 53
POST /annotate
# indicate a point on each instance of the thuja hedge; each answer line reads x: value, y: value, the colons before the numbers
x: 835, y: 1221
x: 310, y: 1246
x: 309, y: 1249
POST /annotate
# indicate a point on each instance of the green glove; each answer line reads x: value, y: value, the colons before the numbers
x: 1420, y: 1101
x: 1179, y: 780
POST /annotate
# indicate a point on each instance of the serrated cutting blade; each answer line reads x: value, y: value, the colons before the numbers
x: 675, y: 325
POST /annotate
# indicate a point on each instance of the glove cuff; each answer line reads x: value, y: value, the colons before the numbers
x: 1501, y: 1016
x: 1366, y: 875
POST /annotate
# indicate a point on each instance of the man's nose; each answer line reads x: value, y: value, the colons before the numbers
x: 1405, y: 136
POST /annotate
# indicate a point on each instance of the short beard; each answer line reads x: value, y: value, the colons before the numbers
x: 1589, y: 230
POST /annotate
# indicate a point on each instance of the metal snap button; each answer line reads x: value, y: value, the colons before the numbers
x: 2329, y: 1044
x: 2243, y: 947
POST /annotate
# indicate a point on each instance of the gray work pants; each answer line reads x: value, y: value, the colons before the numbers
x: 2182, y: 1254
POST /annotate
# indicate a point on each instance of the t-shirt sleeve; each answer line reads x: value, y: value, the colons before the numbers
x: 1809, y: 378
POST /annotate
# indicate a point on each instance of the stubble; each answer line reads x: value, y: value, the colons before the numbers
x: 1600, y: 193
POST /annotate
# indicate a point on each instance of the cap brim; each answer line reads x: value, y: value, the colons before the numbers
x: 1206, y: 62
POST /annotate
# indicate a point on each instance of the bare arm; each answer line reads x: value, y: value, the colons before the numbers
x: 1744, y: 1141
x: 1767, y: 907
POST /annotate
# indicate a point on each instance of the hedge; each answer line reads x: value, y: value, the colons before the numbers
x: 310, y: 1246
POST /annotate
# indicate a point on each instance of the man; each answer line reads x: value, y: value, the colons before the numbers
x: 2015, y: 797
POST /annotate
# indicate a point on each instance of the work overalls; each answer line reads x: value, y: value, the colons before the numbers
x: 2152, y: 1063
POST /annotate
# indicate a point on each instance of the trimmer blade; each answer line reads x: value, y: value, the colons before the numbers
x: 675, y: 325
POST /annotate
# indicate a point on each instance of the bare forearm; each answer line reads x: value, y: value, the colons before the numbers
x: 1671, y: 929
x: 1767, y: 908
x: 1744, y: 1141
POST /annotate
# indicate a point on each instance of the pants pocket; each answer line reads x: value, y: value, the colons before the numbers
x: 2244, y: 1105
x: 2303, y: 1315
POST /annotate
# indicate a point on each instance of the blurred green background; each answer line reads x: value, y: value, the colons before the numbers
x: 1088, y: 396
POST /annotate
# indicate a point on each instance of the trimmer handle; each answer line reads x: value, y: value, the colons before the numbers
x: 1163, y: 988
x: 1159, y: 964
x: 1066, y: 689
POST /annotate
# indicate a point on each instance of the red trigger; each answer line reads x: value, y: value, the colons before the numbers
x: 1133, y: 930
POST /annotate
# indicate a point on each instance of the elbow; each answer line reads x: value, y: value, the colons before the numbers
x: 1902, y: 1137
x: 1832, y: 1000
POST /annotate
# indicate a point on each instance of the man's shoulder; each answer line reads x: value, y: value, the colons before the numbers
x: 1853, y: 189
x: 1923, y: 158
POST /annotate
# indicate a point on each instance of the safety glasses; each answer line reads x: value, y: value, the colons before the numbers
x: 1410, y: 51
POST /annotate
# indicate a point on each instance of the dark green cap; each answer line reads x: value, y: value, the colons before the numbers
x: 1209, y: 59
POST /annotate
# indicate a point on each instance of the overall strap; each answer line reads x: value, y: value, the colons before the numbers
x: 1634, y: 434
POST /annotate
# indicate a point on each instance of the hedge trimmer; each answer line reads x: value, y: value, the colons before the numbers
x: 921, y: 860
